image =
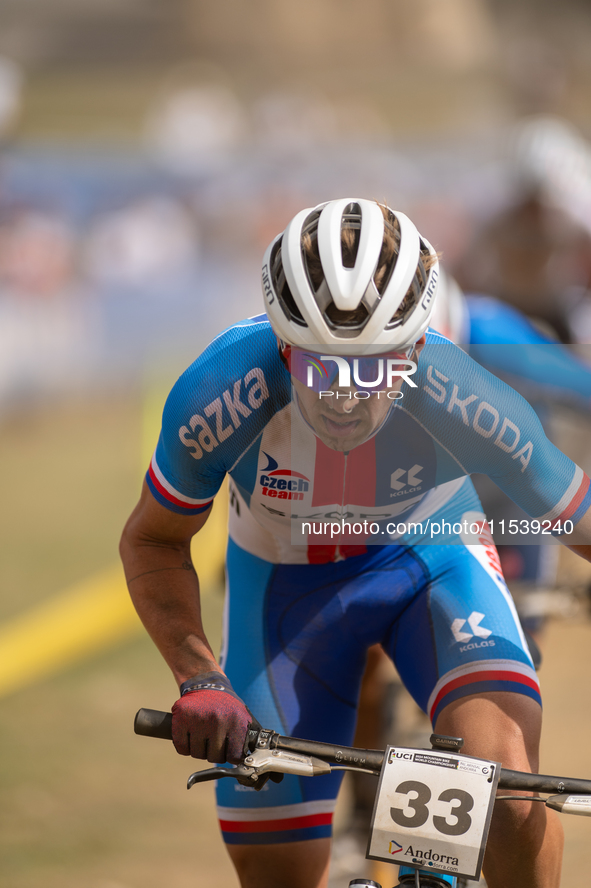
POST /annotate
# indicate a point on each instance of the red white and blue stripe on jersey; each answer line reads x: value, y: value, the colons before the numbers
x: 271, y: 826
x: 482, y: 677
x: 172, y: 499
x: 573, y: 504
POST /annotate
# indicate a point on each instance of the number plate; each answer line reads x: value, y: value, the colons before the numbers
x: 433, y: 810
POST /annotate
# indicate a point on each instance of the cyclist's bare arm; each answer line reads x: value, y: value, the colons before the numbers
x: 163, y: 584
x: 580, y: 539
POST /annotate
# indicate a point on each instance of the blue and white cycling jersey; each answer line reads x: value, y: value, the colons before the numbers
x: 232, y: 413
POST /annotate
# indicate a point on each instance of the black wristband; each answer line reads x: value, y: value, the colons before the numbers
x: 208, y: 681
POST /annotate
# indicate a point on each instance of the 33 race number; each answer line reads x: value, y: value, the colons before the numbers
x: 419, y: 805
x: 433, y: 810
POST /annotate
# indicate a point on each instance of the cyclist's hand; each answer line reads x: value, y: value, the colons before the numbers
x: 210, y: 721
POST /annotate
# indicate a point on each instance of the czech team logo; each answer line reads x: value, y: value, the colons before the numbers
x: 282, y: 483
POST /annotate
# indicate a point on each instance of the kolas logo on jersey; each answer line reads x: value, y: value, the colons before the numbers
x: 282, y: 483
x: 406, y: 481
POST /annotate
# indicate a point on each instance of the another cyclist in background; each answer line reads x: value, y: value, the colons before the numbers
x: 536, y: 253
x: 348, y: 430
x: 511, y: 346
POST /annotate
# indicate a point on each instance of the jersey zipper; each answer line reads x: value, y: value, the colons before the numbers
x: 338, y: 555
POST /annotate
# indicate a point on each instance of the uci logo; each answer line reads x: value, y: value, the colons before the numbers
x: 394, y: 754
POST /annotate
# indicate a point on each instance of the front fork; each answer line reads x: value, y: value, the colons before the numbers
x: 407, y: 876
x: 410, y: 877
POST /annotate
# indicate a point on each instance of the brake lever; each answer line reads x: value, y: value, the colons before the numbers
x: 240, y: 772
x: 264, y: 763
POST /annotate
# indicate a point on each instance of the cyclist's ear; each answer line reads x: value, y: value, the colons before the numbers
x: 284, y: 352
x: 419, y: 344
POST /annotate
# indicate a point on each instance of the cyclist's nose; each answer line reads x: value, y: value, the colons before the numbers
x: 344, y: 401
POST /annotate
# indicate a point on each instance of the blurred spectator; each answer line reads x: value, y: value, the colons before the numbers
x: 192, y: 129
x: 36, y: 252
x: 292, y: 121
x: 149, y: 240
x: 536, y: 253
x: 48, y: 332
x: 10, y: 93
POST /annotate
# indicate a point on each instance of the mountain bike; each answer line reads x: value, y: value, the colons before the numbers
x: 433, y: 806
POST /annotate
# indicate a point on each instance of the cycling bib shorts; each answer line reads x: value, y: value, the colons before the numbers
x: 296, y: 638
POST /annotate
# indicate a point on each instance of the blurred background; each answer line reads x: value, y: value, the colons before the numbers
x: 148, y: 153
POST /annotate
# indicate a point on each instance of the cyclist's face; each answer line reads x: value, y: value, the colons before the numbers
x: 343, y: 418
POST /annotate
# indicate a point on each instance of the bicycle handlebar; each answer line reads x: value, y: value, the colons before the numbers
x: 153, y: 723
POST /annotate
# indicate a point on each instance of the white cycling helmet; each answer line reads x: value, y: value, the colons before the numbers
x: 315, y: 300
x: 548, y: 153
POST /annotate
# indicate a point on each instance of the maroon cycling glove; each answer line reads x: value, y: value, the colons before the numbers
x: 210, y: 721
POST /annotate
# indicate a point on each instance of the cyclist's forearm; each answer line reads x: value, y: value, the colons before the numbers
x: 164, y: 589
x: 580, y: 539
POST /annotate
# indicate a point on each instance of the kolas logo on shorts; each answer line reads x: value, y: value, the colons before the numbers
x: 282, y: 483
x: 478, y: 631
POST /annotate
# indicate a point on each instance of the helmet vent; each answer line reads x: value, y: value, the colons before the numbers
x: 354, y: 320
x: 389, y: 251
x: 287, y: 302
x: 350, y: 235
x: 414, y: 293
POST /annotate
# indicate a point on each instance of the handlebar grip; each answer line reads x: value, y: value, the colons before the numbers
x: 153, y: 723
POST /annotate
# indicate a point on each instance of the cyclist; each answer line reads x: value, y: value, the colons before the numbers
x: 535, y: 254
x: 541, y: 369
x: 304, y: 410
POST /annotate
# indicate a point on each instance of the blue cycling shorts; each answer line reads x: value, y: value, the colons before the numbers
x: 296, y: 637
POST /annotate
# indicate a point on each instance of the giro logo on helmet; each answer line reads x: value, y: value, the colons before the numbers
x: 267, y: 288
x: 431, y: 289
